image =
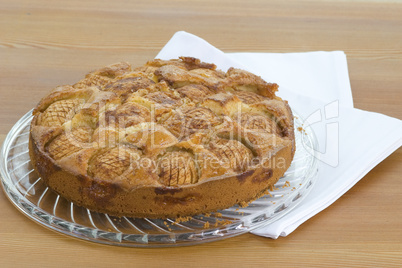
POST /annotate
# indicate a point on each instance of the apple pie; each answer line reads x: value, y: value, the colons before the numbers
x: 172, y: 138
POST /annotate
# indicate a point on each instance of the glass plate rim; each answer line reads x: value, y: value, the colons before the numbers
x: 39, y: 216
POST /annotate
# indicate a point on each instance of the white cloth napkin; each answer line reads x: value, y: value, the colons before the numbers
x: 316, y: 84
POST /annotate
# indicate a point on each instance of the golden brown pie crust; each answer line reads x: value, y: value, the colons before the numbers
x: 168, y: 139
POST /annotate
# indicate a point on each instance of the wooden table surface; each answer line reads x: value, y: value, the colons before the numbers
x: 48, y: 43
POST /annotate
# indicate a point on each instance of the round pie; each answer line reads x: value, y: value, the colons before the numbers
x: 171, y: 138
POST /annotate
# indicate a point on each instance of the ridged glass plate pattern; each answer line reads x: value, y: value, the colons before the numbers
x: 31, y: 196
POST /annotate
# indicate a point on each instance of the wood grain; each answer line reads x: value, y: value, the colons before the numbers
x: 48, y: 43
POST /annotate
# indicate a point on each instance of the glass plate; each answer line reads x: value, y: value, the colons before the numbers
x: 31, y: 196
